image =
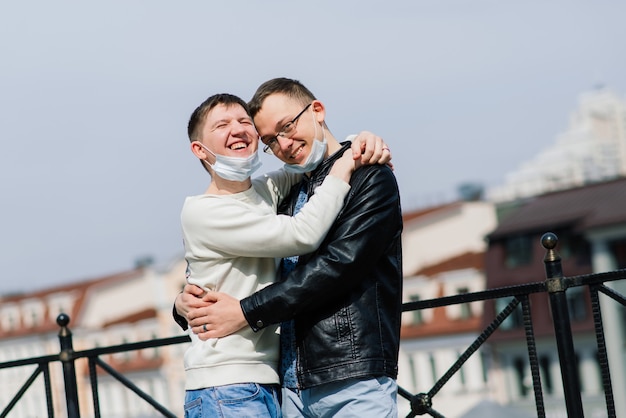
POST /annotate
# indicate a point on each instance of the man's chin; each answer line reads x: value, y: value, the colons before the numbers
x: 298, y: 161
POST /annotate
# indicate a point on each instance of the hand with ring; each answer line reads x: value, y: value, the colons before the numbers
x: 222, y: 316
x: 371, y: 149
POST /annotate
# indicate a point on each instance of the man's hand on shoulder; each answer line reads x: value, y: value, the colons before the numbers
x: 371, y: 149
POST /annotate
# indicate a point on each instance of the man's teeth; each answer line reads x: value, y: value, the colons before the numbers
x: 298, y: 151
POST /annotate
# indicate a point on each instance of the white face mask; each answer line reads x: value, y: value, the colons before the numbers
x: 234, y: 168
x: 316, y: 156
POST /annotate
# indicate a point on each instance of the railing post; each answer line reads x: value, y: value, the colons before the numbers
x: 556, y: 287
x: 69, y: 371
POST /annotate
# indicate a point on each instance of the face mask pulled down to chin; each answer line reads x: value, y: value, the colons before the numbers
x: 234, y: 168
x: 316, y: 156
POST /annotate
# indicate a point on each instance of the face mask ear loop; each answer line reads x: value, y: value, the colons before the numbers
x: 315, y: 127
x: 210, y: 152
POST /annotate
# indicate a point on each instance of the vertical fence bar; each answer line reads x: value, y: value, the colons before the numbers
x: 603, y: 358
x: 48, y: 388
x: 93, y: 377
x: 556, y: 287
x: 533, y: 358
x: 69, y: 370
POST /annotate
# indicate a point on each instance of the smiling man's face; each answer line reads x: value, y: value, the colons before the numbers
x: 277, y: 111
x: 228, y: 130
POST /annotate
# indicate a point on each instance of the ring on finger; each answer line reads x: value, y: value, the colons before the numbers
x: 204, y: 328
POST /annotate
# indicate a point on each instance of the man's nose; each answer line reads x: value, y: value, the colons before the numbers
x: 238, y: 127
x: 284, y: 143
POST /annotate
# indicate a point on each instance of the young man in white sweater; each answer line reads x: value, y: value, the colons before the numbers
x: 232, y: 236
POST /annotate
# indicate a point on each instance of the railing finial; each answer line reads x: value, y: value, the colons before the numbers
x: 549, y: 240
x: 63, y: 319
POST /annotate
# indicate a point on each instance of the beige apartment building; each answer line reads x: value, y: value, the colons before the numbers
x: 127, y: 307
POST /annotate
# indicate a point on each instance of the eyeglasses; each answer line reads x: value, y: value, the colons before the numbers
x: 289, y: 129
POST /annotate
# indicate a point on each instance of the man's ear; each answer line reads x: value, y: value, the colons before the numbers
x: 319, y: 110
x: 198, y: 150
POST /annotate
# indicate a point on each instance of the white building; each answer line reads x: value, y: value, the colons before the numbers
x: 443, y: 255
x: 128, y: 307
x: 593, y: 148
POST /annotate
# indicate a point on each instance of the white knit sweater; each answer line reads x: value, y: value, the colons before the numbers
x: 231, y: 242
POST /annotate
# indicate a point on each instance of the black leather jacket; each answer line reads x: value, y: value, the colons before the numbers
x: 346, y: 298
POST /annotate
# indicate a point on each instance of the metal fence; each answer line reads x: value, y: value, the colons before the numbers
x: 555, y: 285
x: 67, y: 356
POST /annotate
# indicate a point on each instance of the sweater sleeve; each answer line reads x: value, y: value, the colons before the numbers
x: 278, y: 183
x: 368, y: 225
x: 251, y: 228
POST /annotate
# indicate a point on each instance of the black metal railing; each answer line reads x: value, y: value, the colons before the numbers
x: 67, y: 357
x: 555, y: 285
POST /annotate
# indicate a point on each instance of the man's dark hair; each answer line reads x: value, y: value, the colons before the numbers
x: 287, y: 86
x: 196, y: 121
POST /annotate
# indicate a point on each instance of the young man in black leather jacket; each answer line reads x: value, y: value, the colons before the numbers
x: 339, y: 307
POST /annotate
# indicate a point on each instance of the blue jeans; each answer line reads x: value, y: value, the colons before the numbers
x: 369, y: 397
x: 233, y: 401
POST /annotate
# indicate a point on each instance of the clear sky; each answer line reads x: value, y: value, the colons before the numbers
x: 95, y: 98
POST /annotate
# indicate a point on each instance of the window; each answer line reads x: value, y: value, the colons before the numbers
x: 618, y: 248
x: 518, y: 251
x: 519, y: 365
x: 34, y: 316
x: 579, y: 371
x: 485, y: 363
x: 412, y: 371
x: 576, y: 303
x: 546, y: 376
x: 464, y: 307
x: 515, y: 319
x: 433, y: 366
x: 417, y: 314
x: 461, y: 371
x: 9, y: 318
x: 574, y: 247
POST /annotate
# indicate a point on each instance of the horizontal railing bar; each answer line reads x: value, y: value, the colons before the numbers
x: 595, y: 278
x: 29, y: 361
x: 497, y: 293
x: 98, y: 351
x: 160, y: 342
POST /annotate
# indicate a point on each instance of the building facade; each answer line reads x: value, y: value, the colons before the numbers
x: 122, y: 308
x: 443, y: 255
x: 591, y: 226
x: 591, y: 149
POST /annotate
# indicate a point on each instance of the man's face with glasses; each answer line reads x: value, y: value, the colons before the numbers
x: 286, y: 128
x: 271, y: 143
